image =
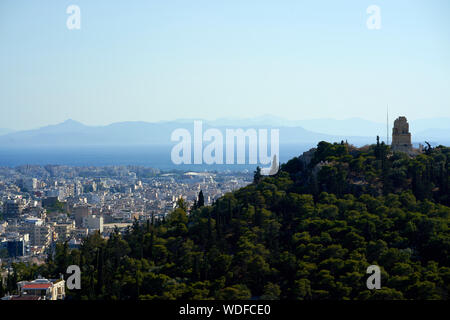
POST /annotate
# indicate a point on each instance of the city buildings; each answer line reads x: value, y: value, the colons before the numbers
x: 15, y: 245
x: 12, y: 208
x: 43, y: 205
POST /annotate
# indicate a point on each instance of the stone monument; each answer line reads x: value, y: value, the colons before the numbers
x: 401, y: 137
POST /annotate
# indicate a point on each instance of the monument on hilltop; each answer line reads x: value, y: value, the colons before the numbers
x: 401, y: 137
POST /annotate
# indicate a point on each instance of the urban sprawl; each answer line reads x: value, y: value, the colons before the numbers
x: 41, y: 205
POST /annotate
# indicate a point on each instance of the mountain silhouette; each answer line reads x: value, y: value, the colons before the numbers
x: 74, y: 133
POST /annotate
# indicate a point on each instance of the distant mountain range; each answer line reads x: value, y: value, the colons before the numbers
x: 356, y: 131
x: 432, y: 128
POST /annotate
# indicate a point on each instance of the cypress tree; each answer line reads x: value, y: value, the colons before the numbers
x: 257, y: 175
x: 201, y: 199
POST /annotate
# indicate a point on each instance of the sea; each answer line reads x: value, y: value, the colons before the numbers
x: 154, y: 156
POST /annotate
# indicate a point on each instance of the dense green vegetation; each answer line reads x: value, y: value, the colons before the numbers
x: 342, y: 169
x: 310, y: 232
x: 58, y: 206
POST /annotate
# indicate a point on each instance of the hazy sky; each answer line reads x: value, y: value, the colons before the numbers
x: 165, y: 59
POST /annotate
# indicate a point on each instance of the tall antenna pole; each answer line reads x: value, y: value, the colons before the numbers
x: 387, y: 124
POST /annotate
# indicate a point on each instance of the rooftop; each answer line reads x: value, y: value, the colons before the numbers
x: 37, y: 286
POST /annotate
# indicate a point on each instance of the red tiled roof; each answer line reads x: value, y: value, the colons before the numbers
x: 26, y: 298
x: 37, y: 286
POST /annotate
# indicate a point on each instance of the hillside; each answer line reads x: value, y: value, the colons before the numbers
x: 342, y: 169
x: 309, y: 232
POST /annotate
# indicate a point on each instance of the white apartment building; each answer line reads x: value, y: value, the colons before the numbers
x: 40, y: 234
x: 64, y: 230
